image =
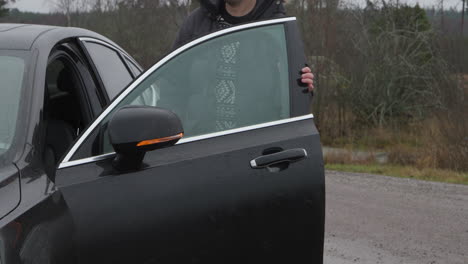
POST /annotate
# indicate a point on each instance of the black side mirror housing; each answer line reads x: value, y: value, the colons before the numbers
x: 134, y: 130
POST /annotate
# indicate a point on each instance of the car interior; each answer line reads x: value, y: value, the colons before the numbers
x: 63, y: 110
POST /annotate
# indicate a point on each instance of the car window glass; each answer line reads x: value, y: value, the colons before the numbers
x: 111, y: 68
x: 232, y: 81
x: 11, y: 80
x: 136, y: 71
x: 63, y: 95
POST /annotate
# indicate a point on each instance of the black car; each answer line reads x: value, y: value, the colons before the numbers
x: 210, y: 156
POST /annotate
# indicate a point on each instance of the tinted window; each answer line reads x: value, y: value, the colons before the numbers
x: 11, y: 80
x: 111, y: 68
x: 232, y: 81
x: 135, y: 70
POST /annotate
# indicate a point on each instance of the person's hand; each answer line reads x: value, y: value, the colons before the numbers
x: 307, y: 77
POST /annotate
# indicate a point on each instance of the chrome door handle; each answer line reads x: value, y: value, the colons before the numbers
x: 291, y: 155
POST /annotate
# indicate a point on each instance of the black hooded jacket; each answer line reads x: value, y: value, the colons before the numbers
x: 206, y: 18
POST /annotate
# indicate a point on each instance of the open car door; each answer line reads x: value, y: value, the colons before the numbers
x: 244, y: 185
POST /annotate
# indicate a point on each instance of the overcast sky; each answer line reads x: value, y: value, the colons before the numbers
x: 42, y: 6
x: 45, y: 6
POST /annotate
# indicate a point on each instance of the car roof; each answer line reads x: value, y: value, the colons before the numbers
x: 20, y: 36
x: 23, y: 36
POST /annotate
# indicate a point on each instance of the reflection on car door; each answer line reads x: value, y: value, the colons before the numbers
x: 246, y: 185
x: 109, y: 63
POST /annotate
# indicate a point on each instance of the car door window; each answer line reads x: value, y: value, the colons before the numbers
x: 135, y: 69
x: 114, y: 74
x: 11, y: 73
x: 232, y: 81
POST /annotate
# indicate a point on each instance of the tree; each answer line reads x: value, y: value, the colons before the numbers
x: 400, y: 74
x: 3, y: 9
x: 66, y: 7
x: 463, y: 17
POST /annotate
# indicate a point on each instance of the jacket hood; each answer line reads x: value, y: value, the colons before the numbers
x: 214, y: 7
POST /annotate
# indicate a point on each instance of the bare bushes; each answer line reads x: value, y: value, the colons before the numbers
x: 401, y: 75
x: 443, y: 143
x: 451, y: 141
x: 384, y: 83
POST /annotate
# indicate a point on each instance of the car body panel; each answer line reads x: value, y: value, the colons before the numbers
x: 201, y: 202
x: 10, y: 191
x: 41, y: 215
x: 21, y: 37
x: 35, y: 184
x: 198, y: 202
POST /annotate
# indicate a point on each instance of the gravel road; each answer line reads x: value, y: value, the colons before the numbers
x: 377, y: 219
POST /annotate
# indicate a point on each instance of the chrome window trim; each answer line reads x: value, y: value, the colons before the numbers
x: 195, y: 138
x: 243, y: 129
x: 155, y: 67
x: 86, y: 160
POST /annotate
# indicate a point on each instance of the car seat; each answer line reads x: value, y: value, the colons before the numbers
x: 62, y: 119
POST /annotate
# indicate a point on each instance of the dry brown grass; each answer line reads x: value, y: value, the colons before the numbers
x: 426, y: 174
x: 440, y: 142
x: 347, y: 157
x: 335, y: 158
x: 404, y: 155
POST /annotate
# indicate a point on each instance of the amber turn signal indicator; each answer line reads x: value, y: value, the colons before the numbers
x: 159, y: 140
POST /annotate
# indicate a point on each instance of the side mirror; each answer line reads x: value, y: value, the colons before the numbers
x: 134, y: 130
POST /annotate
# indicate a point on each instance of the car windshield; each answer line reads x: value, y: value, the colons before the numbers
x: 12, y: 69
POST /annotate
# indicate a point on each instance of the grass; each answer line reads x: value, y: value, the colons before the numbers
x: 377, y: 139
x: 426, y: 174
x: 432, y: 149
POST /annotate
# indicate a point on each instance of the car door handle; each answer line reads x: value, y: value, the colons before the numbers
x: 291, y: 155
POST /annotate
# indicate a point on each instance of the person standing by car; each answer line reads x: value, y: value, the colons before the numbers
x: 213, y: 15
